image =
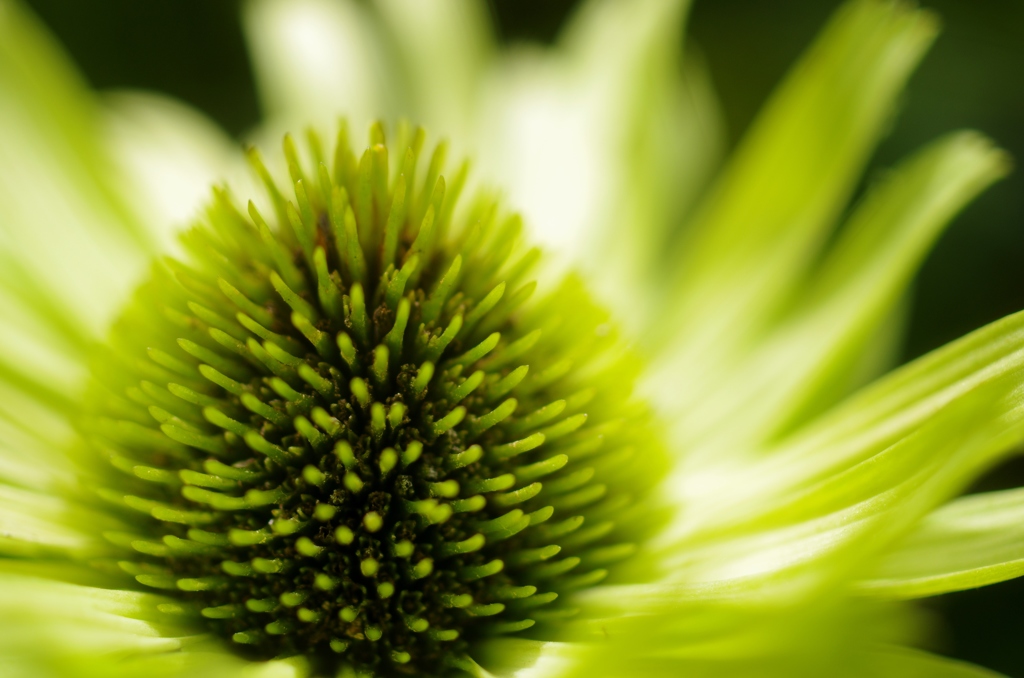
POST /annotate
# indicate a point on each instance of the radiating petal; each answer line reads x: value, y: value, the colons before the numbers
x: 903, y: 662
x: 860, y: 283
x: 33, y: 440
x: 36, y: 525
x: 50, y: 628
x: 602, y: 147
x: 974, y: 541
x: 316, y: 60
x: 672, y: 149
x: 764, y: 222
x: 902, y: 400
x: 747, y: 635
x: 39, y: 358
x: 167, y: 157
x: 870, y: 420
x: 857, y: 510
x: 443, y: 49
x: 54, y: 174
x: 520, y: 658
x: 805, y: 363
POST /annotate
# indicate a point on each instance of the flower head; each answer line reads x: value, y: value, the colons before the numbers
x: 349, y: 434
x: 332, y: 429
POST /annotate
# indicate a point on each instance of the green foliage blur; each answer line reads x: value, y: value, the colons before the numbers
x: 974, y: 77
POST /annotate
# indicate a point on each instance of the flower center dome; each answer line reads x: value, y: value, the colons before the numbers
x: 343, y: 426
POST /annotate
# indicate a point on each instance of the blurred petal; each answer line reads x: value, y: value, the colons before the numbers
x: 33, y: 439
x: 901, y: 662
x: 316, y: 60
x: 519, y: 658
x: 40, y: 356
x: 805, y: 362
x: 36, y: 525
x: 168, y: 156
x: 672, y: 149
x: 444, y: 48
x: 737, y: 637
x: 863, y: 277
x: 864, y: 505
x: 27, y: 462
x: 594, y: 143
x: 971, y: 542
x: 52, y: 174
x: 905, y: 398
x: 870, y: 422
x: 716, y: 611
x: 50, y: 628
x: 762, y: 225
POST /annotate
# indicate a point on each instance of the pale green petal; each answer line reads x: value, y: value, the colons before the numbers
x: 61, y: 630
x: 971, y: 542
x: 903, y: 399
x: 864, y: 427
x: 39, y: 516
x: 738, y: 637
x: 443, y: 49
x: 60, y: 217
x: 33, y: 439
x: 671, y: 151
x: 521, y: 658
x: 764, y: 222
x: 657, y: 114
x: 167, y: 156
x: 39, y: 355
x: 787, y: 528
x: 316, y: 60
x: 48, y: 626
x: 36, y: 525
x: 902, y: 662
x: 766, y: 597
x: 805, y: 364
x: 861, y: 282
x: 600, y: 141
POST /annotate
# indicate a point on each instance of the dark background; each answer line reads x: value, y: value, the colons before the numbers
x: 974, y: 77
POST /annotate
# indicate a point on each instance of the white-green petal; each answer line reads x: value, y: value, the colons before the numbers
x: 852, y: 514
x: 39, y: 354
x: 520, y: 658
x: 863, y: 428
x: 809, y: 360
x: 722, y: 635
x: 36, y: 525
x: 561, y: 127
x: 903, y: 662
x: 167, y: 157
x: 316, y: 60
x: 974, y: 541
x: 762, y: 225
x: 442, y: 48
x: 60, y: 217
x: 863, y: 278
x: 669, y: 153
x: 51, y: 628
x: 901, y: 401
x: 33, y: 440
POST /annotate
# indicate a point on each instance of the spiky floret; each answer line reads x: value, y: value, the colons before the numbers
x: 342, y: 427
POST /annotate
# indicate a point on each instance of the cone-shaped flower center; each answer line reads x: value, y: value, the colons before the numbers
x: 352, y: 433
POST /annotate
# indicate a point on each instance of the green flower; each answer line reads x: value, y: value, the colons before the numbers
x: 329, y: 431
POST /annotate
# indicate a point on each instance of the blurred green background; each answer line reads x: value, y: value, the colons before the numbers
x: 974, y: 77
